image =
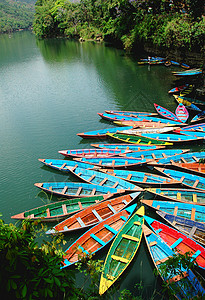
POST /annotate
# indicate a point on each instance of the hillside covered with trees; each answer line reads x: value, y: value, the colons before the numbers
x: 15, y: 15
x: 165, y: 23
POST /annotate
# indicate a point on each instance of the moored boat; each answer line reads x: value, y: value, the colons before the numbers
x: 182, y: 113
x: 178, y: 88
x: 183, y: 282
x: 129, y: 113
x: 122, y: 251
x: 193, y: 229
x: 178, y: 241
x: 194, y: 127
x: 199, y: 117
x: 166, y: 113
x: 190, y: 211
x: 101, y: 133
x: 93, y: 214
x: 187, y: 103
x: 138, y: 131
x: 155, y: 154
x: 194, y: 168
x: 145, y: 124
x: 89, y: 153
x: 128, y: 147
x: 172, y: 138
x: 59, y: 210
x: 97, y: 237
x: 188, y: 73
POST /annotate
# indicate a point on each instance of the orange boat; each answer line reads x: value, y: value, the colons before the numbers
x: 194, y: 168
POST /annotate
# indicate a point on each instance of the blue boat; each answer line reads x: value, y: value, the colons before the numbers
x: 102, y: 179
x: 75, y: 189
x: 130, y: 113
x: 185, y: 66
x: 166, y: 113
x: 179, y: 195
x: 186, y: 179
x: 186, y: 210
x: 193, y: 133
x: 101, y: 133
x: 195, y: 127
x: 184, y: 286
x: 92, y: 152
x: 189, y: 157
x: 125, y: 147
x: 193, y: 229
x: 200, y: 116
x: 141, y: 178
x: 175, y: 63
x: 113, y: 118
x: 97, y: 237
x: 156, y: 154
x: 114, y: 162
x: 172, y: 138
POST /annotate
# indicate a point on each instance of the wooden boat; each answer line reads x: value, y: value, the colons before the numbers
x: 101, y: 133
x: 75, y: 189
x: 127, y: 147
x: 99, y: 178
x: 187, y: 103
x: 193, y: 127
x: 183, y: 282
x: 89, y: 153
x: 64, y: 165
x: 172, y: 138
x: 93, y: 214
x: 97, y: 237
x: 190, y: 157
x: 155, y: 154
x: 153, y: 58
x: 188, y: 73
x: 178, y: 88
x: 166, y: 113
x: 145, y: 124
x: 186, y: 91
x: 179, y: 195
x: 122, y: 251
x: 175, y: 63
x: 129, y: 113
x: 192, y: 100
x: 115, y: 162
x: 193, y: 168
x: 134, y: 139
x: 186, y: 179
x: 185, y: 66
x: 193, y: 133
x: 178, y: 241
x: 141, y: 178
x: 199, y: 117
x: 193, y: 229
x: 113, y: 118
x: 59, y: 210
x: 138, y: 131
x: 186, y: 210
x: 182, y: 113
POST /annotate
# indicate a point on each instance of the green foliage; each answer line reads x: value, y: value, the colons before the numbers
x: 29, y: 271
x: 15, y: 16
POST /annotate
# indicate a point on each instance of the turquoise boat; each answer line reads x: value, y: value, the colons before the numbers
x: 126, y: 147
x: 190, y: 157
x: 101, y: 133
x: 185, y: 210
x: 155, y: 154
x: 172, y: 138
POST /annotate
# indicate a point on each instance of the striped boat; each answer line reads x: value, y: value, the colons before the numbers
x: 182, y: 113
x: 178, y: 241
x: 186, y: 103
x: 97, y: 237
x: 166, y: 113
x: 134, y: 139
x: 122, y: 250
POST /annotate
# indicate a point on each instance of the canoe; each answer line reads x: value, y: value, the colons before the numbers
x: 89, y: 153
x: 184, y: 283
x: 99, y: 178
x: 186, y: 210
x: 145, y: 124
x: 182, y: 113
x: 193, y: 127
x: 199, y: 117
x: 172, y: 138
x: 93, y: 214
x: 178, y: 241
x: 113, y: 118
x: 101, y: 133
x: 114, y: 162
x: 64, y: 165
x: 190, y: 157
x: 186, y: 91
x: 193, y: 229
x: 178, y: 89
x: 122, y: 251
x: 59, y: 210
x: 192, y: 100
x: 129, y: 113
x: 75, y: 189
x: 138, y: 131
x: 132, y: 139
x: 127, y: 147
x: 151, y: 58
x: 179, y: 195
x: 193, y: 168
x: 175, y: 63
x: 141, y: 178
x: 166, y: 113
x: 187, y: 103
x: 193, y: 133
x: 155, y: 154
x: 185, y: 66
x: 186, y: 179
x: 188, y: 73
x: 97, y: 237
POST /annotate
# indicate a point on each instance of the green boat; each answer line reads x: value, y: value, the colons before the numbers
x: 59, y: 210
x: 137, y: 139
x: 122, y: 250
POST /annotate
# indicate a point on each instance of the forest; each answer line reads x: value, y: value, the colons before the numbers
x: 165, y: 23
x: 16, y: 15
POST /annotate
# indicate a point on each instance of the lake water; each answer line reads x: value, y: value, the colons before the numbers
x: 50, y: 91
